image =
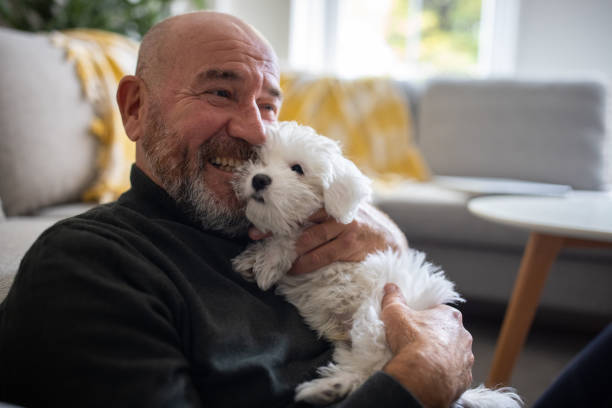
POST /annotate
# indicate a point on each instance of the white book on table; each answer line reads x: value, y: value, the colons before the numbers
x: 477, y: 186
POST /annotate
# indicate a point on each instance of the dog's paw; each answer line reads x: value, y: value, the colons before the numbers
x: 269, y: 268
x: 267, y: 276
x: 263, y: 263
x: 243, y: 264
x: 323, y: 391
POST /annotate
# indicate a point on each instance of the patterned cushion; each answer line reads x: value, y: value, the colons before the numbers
x: 370, y: 117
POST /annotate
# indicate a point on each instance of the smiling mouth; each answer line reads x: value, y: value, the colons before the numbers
x: 227, y: 164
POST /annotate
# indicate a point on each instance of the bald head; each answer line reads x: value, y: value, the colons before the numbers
x: 171, y: 40
x: 205, y: 86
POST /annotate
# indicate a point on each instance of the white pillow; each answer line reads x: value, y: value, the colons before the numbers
x: 47, y: 155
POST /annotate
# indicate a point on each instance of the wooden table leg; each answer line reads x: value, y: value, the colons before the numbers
x: 540, y: 254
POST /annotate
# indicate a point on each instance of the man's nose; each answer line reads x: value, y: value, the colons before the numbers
x: 248, y: 125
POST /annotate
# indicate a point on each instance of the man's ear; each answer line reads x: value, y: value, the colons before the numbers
x: 346, y: 190
x: 131, y: 97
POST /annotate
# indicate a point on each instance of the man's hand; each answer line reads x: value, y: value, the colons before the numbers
x: 330, y: 241
x: 432, y: 351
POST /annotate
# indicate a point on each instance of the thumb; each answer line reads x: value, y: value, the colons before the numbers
x: 396, y: 316
x: 392, y: 296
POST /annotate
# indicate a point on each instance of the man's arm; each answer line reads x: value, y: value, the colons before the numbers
x: 88, y: 323
x: 432, y: 351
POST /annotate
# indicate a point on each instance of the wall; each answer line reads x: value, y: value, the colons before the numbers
x: 561, y: 37
x: 567, y: 38
x: 270, y: 17
x: 564, y: 37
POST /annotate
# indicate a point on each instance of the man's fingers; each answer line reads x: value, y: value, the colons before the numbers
x: 317, y: 235
x: 311, y: 241
x: 393, y: 301
x: 319, y: 216
x: 470, y: 362
x: 256, y: 234
x: 392, y: 294
x: 313, y: 260
x: 395, y: 315
x: 318, y: 258
x: 328, y: 240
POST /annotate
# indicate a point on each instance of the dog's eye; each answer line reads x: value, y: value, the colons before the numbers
x: 298, y: 169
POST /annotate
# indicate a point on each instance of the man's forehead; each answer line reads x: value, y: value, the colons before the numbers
x: 251, y: 54
x: 219, y: 46
x: 215, y: 73
x: 218, y: 29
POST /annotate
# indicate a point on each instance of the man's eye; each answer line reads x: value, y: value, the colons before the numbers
x: 267, y: 106
x: 221, y: 93
x: 298, y: 169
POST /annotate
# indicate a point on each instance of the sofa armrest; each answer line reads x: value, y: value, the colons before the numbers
x: 17, y: 234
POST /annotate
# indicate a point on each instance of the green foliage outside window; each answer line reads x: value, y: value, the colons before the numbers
x: 128, y: 17
x: 441, y: 35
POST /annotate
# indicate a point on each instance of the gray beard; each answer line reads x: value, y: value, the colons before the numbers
x: 183, y: 180
x: 204, y: 207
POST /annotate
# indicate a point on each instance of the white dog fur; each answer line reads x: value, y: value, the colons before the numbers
x: 342, y: 301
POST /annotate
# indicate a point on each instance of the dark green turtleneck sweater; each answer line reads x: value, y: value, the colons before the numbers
x: 132, y: 304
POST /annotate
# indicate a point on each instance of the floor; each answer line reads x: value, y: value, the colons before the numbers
x: 546, y: 353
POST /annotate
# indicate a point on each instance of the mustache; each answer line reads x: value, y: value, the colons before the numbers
x: 227, y: 147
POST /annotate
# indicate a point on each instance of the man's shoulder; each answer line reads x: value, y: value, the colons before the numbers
x: 117, y: 215
x: 110, y: 226
x: 102, y: 244
x: 124, y: 228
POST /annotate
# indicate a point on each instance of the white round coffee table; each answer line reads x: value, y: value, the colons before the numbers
x: 576, y: 220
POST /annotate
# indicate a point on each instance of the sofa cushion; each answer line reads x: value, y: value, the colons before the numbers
x: 17, y: 234
x: 47, y: 154
x: 550, y: 132
x: 427, y: 212
x: 60, y: 212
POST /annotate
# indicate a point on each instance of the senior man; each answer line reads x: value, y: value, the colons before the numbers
x: 135, y: 303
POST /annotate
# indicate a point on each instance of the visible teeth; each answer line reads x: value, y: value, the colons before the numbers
x: 226, y: 163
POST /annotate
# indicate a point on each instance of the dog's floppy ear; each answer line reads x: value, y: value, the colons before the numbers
x: 345, y: 190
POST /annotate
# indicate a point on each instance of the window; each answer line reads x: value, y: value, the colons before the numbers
x: 403, y: 38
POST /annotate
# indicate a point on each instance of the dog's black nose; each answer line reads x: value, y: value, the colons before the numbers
x: 261, y: 181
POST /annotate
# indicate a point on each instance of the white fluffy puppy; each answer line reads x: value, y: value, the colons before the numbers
x: 298, y: 172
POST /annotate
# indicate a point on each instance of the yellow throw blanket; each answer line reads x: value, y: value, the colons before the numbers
x: 101, y: 60
x: 369, y: 117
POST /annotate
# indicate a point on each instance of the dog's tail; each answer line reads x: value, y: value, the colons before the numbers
x: 482, y: 397
x: 422, y: 284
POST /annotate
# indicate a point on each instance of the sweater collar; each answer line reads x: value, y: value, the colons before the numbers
x: 152, y: 197
x: 152, y: 200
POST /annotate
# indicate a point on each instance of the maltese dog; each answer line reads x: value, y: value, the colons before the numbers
x: 296, y: 173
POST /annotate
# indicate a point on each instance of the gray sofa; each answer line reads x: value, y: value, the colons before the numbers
x: 546, y: 131
x: 543, y: 131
